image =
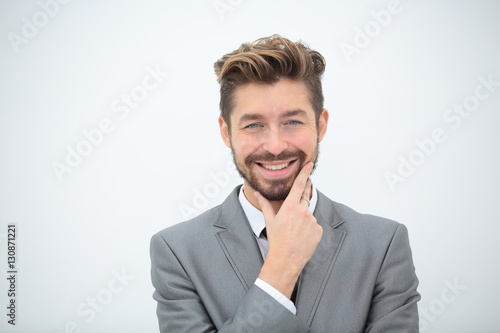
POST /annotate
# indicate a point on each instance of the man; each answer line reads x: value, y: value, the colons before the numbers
x: 277, y: 255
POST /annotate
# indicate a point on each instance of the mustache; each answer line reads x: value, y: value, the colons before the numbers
x: 268, y: 157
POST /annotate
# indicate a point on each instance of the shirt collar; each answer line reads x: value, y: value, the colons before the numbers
x: 255, y: 216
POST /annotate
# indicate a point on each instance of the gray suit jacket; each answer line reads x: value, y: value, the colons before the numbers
x: 360, y: 279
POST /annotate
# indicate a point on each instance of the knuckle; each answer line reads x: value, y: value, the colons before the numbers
x: 312, y: 220
x: 304, y: 213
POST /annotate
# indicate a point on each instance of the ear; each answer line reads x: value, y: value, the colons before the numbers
x: 323, y: 124
x: 224, y: 131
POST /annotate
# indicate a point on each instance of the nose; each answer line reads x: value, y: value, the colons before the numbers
x: 274, y: 142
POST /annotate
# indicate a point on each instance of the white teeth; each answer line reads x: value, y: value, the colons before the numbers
x: 276, y: 167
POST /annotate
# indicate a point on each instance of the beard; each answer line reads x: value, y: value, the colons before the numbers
x: 277, y: 189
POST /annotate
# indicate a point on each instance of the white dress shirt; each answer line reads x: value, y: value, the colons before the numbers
x: 257, y: 223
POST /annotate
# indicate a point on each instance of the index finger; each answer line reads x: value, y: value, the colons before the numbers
x: 300, y: 183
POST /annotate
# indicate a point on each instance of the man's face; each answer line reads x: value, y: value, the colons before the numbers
x: 273, y: 135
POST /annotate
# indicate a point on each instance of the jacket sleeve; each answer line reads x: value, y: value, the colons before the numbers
x: 394, y: 302
x: 180, y: 309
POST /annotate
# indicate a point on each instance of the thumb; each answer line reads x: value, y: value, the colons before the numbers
x: 265, y: 206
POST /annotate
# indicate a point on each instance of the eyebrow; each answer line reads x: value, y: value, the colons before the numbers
x: 292, y: 113
x: 251, y: 117
x: 256, y: 116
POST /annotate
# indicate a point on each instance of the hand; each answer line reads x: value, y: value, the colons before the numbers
x: 293, y: 235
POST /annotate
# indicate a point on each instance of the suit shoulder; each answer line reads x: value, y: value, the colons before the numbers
x: 372, y: 233
x: 352, y: 214
x: 366, y: 223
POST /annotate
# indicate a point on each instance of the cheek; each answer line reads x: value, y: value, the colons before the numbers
x: 306, y: 143
x: 243, y: 146
x: 310, y: 150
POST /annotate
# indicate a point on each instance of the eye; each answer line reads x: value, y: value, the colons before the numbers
x: 252, y: 126
x: 294, y: 122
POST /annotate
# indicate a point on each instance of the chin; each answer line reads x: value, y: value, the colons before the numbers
x: 276, y: 190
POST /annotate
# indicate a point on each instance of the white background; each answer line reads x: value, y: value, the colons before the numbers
x: 160, y: 163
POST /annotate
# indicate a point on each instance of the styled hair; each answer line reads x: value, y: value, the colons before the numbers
x: 268, y: 60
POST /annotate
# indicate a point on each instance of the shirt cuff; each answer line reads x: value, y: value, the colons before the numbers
x: 274, y: 293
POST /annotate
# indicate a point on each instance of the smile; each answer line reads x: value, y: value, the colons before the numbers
x: 275, y: 167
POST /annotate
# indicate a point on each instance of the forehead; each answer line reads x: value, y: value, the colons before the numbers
x: 271, y: 100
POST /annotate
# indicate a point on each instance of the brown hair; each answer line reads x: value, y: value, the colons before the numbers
x: 268, y: 60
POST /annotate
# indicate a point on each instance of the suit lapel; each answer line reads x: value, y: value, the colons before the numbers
x: 238, y: 241
x: 242, y: 251
x: 315, y: 275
